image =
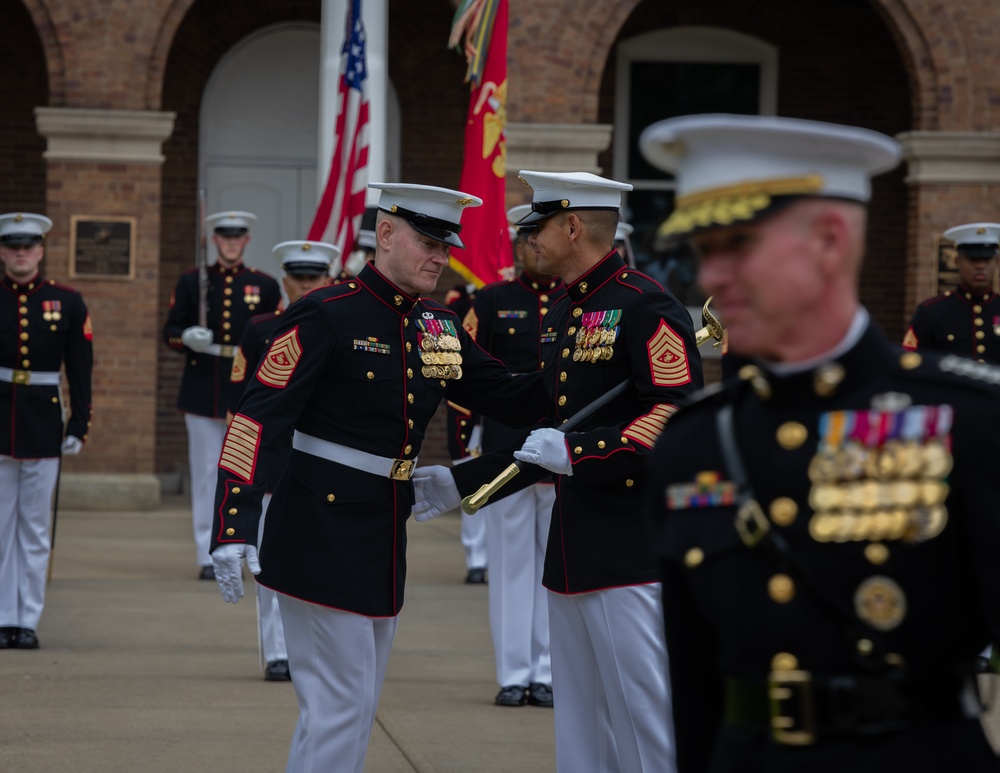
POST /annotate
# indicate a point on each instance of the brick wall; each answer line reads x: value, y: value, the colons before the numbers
x: 22, y: 88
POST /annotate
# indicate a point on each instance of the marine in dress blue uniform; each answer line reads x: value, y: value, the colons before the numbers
x: 826, y: 522
x: 614, y: 324
x: 236, y: 293
x: 964, y: 321
x: 306, y: 266
x: 45, y: 327
x: 509, y: 319
x: 354, y: 373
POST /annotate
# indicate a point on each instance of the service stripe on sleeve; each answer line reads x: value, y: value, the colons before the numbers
x: 239, y: 450
x: 668, y: 358
x: 646, y: 429
x: 279, y: 363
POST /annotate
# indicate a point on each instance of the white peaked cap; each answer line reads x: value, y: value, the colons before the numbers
x: 305, y: 257
x: 731, y: 168
x: 231, y: 220
x: 560, y: 191
x: 432, y: 211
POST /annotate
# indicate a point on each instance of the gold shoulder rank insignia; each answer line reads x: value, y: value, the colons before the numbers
x: 239, y: 372
x: 279, y: 363
x: 667, y: 357
x: 471, y: 323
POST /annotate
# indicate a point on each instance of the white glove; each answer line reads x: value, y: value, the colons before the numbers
x: 71, y: 445
x: 435, y: 492
x: 197, y: 338
x: 547, y: 448
x: 228, y: 562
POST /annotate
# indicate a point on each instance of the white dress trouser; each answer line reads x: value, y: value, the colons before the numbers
x: 609, y: 679
x: 205, y: 436
x: 517, y: 528
x: 26, y: 487
x: 272, y: 635
x: 337, y: 660
x: 474, y: 541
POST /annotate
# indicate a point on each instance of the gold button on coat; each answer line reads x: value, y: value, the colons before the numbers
x: 783, y: 511
x: 409, y: 398
x: 784, y: 661
x: 230, y: 532
x: 408, y: 449
x: 781, y: 588
x: 562, y: 399
x: 578, y: 450
x: 330, y: 497
x: 877, y: 553
x: 694, y: 557
x: 232, y: 511
x: 577, y: 312
x: 236, y: 489
x: 372, y: 375
x: 791, y: 435
x: 600, y: 444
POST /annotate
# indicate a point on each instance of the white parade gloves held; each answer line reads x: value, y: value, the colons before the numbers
x: 228, y: 562
x: 547, y: 448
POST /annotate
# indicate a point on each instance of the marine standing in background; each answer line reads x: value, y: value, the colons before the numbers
x: 510, y: 321
x: 306, y: 266
x: 235, y: 293
x: 46, y: 327
x: 827, y: 522
x: 964, y: 321
x: 464, y: 435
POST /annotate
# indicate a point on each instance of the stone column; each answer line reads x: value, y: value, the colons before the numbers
x: 104, y: 163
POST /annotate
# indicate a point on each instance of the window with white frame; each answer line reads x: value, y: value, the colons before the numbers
x: 671, y: 72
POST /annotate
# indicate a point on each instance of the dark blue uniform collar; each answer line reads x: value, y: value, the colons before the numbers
x: 851, y: 370
x: 236, y: 270
x: 20, y: 287
x: 539, y: 287
x: 974, y: 297
x: 385, y: 290
x: 587, y: 285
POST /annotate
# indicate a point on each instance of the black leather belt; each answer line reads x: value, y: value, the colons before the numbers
x: 799, y: 709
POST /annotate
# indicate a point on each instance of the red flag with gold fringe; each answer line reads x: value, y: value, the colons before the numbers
x: 487, y: 256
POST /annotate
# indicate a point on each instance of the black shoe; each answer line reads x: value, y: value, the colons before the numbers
x: 540, y: 695
x: 207, y: 573
x: 476, y: 576
x: 515, y: 695
x: 277, y: 671
x: 24, y: 639
x: 6, y: 638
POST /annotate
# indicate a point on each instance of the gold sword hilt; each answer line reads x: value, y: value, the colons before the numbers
x: 472, y: 503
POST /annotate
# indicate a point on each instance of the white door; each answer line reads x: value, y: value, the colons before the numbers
x: 259, y: 120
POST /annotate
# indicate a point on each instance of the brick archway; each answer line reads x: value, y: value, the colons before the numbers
x: 53, y: 50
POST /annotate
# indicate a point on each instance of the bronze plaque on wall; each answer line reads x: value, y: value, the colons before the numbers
x: 102, y: 247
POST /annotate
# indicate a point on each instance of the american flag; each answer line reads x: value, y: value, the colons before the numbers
x: 338, y: 215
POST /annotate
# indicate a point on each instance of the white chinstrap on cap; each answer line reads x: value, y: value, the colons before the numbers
x: 23, y: 227
x: 431, y: 211
x: 731, y: 168
x: 560, y: 191
x: 306, y: 257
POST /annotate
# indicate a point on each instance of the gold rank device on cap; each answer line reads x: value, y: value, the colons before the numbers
x: 305, y: 257
x: 231, y: 223
x: 23, y: 229
x: 561, y: 191
x: 737, y: 168
x: 431, y: 211
x: 975, y: 240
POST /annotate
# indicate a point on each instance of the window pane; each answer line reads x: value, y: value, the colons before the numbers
x: 659, y: 90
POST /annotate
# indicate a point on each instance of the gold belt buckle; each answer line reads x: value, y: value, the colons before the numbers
x: 22, y: 377
x: 793, y: 721
x: 402, y: 469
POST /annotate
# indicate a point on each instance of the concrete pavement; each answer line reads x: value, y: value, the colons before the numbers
x: 145, y: 668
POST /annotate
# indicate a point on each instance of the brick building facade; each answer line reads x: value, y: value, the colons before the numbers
x: 102, y: 104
